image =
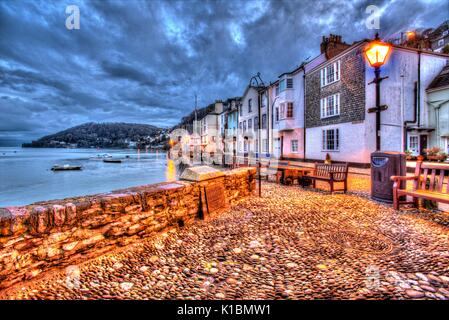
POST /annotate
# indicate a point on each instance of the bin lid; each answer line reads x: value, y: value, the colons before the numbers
x: 377, y: 153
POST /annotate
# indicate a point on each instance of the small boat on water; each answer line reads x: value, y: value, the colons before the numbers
x: 65, y: 167
x: 112, y: 160
x: 101, y: 156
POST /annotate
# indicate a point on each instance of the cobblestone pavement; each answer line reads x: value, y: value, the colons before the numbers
x: 293, y: 243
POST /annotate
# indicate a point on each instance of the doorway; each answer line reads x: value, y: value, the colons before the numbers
x: 277, y: 148
x: 422, y: 144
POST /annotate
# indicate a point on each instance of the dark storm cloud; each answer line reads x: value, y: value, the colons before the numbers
x: 143, y: 61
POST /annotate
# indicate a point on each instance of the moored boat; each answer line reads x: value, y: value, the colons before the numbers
x: 112, y: 160
x: 65, y: 167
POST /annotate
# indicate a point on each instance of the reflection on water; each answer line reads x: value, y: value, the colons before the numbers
x: 170, y: 172
x: 25, y: 175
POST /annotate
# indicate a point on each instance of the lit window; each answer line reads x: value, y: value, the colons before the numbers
x: 330, y: 140
x: 330, y: 106
x: 330, y: 74
x: 294, y: 145
x: 290, y: 110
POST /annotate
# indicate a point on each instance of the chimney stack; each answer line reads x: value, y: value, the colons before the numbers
x: 332, y: 45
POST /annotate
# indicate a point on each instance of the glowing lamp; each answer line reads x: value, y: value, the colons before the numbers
x: 377, y: 53
x: 410, y: 35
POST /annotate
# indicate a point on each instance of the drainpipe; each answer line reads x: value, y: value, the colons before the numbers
x: 417, y: 103
x: 419, y: 90
x: 304, y: 113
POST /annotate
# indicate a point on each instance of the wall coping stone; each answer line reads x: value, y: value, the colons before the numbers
x: 201, y: 173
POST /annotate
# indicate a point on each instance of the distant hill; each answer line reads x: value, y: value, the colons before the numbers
x: 104, y: 135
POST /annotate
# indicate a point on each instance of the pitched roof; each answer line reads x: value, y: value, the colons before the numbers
x: 441, y: 80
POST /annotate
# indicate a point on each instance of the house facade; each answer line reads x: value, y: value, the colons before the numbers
x: 339, y: 93
x: 439, y: 38
x: 248, y: 122
x: 228, y: 129
x: 211, y: 146
x: 438, y: 110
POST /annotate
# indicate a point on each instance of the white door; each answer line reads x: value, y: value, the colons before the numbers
x: 277, y: 147
x: 413, y: 144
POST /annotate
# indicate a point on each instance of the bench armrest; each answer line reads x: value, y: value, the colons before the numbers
x: 403, y: 178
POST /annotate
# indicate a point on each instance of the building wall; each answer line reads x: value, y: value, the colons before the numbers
x: 398, y: 93
x: 288, y: 136
x: 290, y: 128
x: 439, y: 119
x: 350, y: 86
x: 245, y: 115
x: 353, y: 146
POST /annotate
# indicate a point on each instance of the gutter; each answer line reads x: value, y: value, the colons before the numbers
x: 417, y: 107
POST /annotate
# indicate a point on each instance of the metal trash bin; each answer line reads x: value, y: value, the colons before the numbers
x: 385, y: 164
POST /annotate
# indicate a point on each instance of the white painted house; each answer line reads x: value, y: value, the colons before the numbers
x: 339, y: 94
x: 248, y: 120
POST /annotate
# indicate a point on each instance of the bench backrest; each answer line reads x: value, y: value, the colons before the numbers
x: 340, y: 170
x: 283, y: 163
x: 432, y: 176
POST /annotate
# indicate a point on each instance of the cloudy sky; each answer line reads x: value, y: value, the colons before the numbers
x: 142, y: 61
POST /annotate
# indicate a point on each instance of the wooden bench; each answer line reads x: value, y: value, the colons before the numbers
x: 270, y: 168
x: 331, y: 173
x: 428, y: 182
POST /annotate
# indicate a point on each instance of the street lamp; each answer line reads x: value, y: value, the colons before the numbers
x: 377, y: 53
x: 257, y: 80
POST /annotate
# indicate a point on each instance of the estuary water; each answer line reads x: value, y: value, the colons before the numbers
x: 26, y: 175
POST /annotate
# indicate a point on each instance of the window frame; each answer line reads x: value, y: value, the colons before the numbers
x: 290, y: 107
x: 415, y: 151
x: 324, y: 107
x: 325, y: 140
x: 292, y: 143
x: 336, y: 68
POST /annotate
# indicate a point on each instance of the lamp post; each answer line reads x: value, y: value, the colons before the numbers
x: 377, y: 53
x: 260, y: 84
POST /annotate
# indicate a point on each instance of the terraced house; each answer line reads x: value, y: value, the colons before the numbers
x: 338, y: 95
x: 248, y: 144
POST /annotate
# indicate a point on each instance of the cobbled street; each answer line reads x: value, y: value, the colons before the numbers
x: 292, y: 243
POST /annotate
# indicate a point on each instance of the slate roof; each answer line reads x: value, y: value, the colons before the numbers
x: 441, y: 80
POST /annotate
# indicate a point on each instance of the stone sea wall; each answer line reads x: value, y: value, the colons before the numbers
x: 54, y: 234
